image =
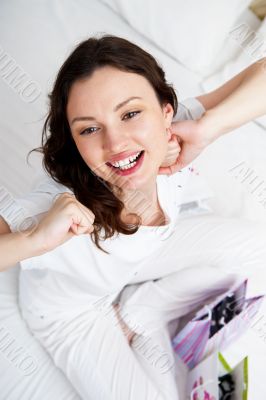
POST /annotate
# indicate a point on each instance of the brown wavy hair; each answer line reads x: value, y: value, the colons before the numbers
x: 61, y: 158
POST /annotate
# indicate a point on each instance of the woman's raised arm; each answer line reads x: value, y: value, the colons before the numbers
x: 14, y: 247
x: 66, y: 218
x: 238, y: 101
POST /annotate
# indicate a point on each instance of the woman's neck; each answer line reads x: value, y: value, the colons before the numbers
x: 144, y: 204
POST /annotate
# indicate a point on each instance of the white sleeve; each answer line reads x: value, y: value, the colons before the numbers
x: 190, y: 108
x: 23, y: 212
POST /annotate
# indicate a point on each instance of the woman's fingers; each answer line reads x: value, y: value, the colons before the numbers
x: 83, y: 217
x: 84, y: 222
x: 67, y: 217
x: 173, y: 151
x: 88, y: 213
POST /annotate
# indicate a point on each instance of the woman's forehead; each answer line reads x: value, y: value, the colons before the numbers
x: 108, y: 86
x: 110, y: 78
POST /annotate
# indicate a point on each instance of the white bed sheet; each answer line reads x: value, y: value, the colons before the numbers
x: 38, y: 38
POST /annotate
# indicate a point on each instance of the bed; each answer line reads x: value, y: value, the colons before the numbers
x: 195, y: 42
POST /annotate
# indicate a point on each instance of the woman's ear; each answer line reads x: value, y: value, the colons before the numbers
x: 168, y: 113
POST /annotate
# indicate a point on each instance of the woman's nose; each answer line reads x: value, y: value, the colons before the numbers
x: 115, y: 140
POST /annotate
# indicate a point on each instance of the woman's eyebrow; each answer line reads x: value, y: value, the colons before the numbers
x: 125, y: 102
x: 117, y: 107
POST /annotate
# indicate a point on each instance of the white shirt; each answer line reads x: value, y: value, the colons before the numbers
x: 130, y: 258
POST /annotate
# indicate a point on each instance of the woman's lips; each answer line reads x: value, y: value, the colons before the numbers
x: 129, y: 171
x: 122, y: 156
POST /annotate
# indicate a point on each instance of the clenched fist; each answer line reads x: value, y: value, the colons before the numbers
x: 66, y: 218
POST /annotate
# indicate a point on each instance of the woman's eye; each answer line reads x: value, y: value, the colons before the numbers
x: 91, y: 130
x: 88, y: 131
x: 131, y: 114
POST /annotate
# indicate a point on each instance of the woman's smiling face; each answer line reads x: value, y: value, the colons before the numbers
x: 114, y: 114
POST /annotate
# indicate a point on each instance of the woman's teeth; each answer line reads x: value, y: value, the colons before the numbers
x: 127, y: 162
x: 128, y: 166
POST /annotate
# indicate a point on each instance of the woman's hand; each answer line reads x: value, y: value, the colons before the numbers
x: 193, y: 137
x: 129, y: 334
x: 173, y: 151
x: 66, y: 218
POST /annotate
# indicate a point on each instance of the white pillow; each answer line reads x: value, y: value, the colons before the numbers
x: 252, y: 44
x: 191, y: 31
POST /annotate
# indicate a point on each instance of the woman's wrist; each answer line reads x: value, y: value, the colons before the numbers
x: 15, y: 247
x: 36, y: 242
x: 212, y: 126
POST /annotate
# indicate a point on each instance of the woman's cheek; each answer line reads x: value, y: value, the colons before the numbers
x: 86, y: 156
x: 140, y: 133
x: 149, y: 134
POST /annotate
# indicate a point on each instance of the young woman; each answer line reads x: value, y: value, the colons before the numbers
x: 108, y: 263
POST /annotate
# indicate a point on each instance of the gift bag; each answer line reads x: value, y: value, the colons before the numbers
x: 214, y: 379
x: 216, y: 325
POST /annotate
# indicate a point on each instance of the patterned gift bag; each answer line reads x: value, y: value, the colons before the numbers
x: 216, y: 325
x: 214, y: 379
